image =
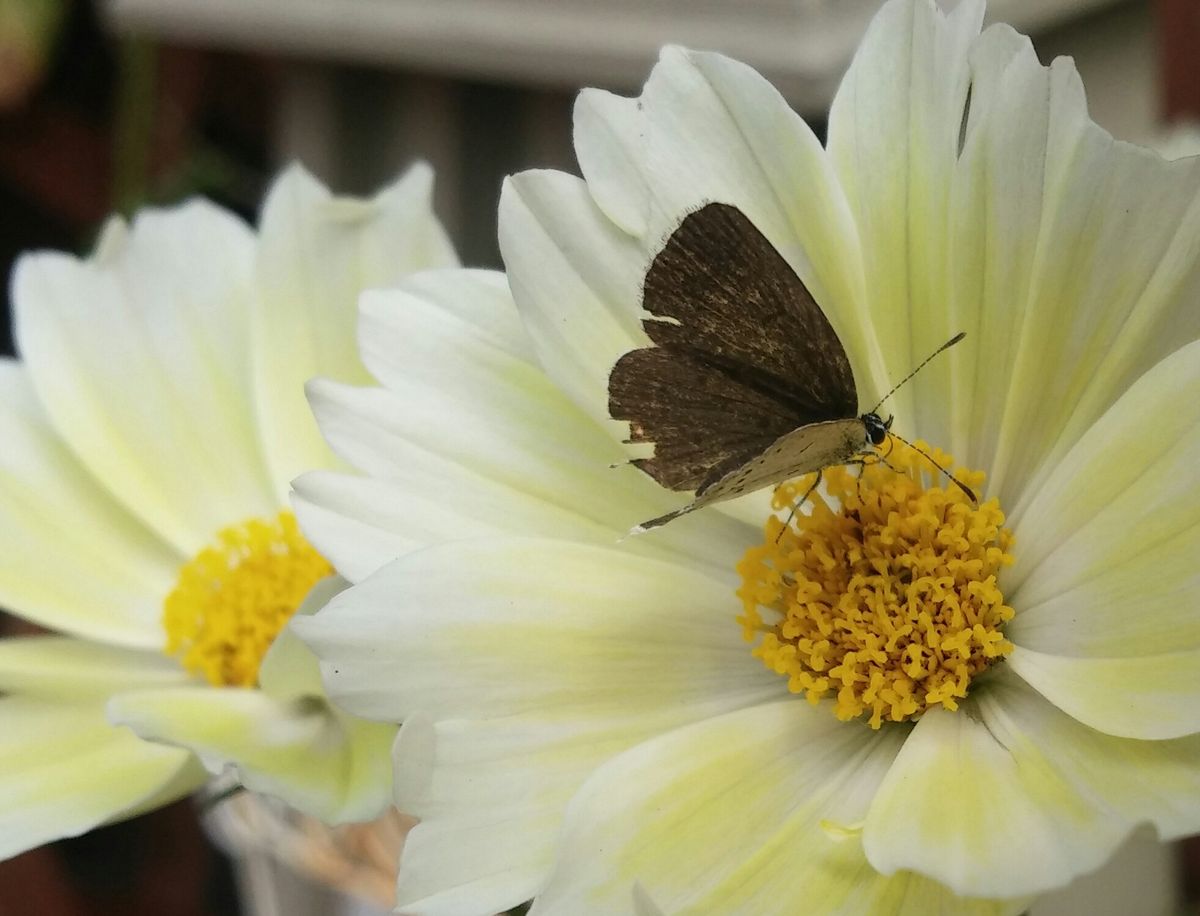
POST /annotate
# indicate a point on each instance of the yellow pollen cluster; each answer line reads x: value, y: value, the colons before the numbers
x: 886, y: 595
x: 234, y: 597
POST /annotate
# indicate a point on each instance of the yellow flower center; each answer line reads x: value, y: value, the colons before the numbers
x: 885, y: 596
x: 234, y: 597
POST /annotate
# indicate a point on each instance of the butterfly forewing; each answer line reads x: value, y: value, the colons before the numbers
x: 720, y: 289
x: 744, y: 357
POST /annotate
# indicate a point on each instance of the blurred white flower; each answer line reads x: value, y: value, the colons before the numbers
x: 150, y: 432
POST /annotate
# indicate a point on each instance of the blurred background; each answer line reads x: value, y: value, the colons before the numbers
x: 106, y: 105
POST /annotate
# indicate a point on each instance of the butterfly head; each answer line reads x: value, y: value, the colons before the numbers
x: 877, y: 427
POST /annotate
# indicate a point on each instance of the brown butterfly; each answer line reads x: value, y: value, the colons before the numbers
x: 748, y: 385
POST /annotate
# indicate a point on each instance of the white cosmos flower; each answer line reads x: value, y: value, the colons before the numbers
x: 583, y: 722
x: 159, y: 402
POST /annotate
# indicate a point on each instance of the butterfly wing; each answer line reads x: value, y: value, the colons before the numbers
x: 700, y: 421
x: 744, y: 354
x: 801, y: 451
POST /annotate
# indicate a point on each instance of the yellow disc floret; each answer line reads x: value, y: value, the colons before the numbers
x: 885, y: 596
x: 234, y: 597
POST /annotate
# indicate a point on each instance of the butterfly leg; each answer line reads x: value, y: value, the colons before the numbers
x: 798, y: 503
x: 872, y: 457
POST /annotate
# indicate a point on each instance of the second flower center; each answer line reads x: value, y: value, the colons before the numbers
x: 234, y: 597
x: 885, y: 597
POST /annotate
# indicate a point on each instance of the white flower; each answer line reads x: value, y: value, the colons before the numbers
x: 157, y: 405
x: 583, y: 722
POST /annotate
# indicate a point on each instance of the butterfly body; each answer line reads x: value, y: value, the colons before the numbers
x: 746, y: 385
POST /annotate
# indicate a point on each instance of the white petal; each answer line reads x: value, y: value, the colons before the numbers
x: 64, y: 770
x: 500, y: 445
x: 71, y: 557
x: 141, y: 356
x: 1105, y: 581
x: 1147, y: 697
x: 328, y: 765
x: 748, y: 812
x: 317, y: 253
x: 357, y: 523
x: 1013, y: 796
x: 893, y: 137
x: 61, y: 667
x: 576, y: 279
x: 471, y: 781
x: 289, y: 670
x: 1074, y: 266
x: 612, y: 146
x: 587, y: 627
x: 471, y: 303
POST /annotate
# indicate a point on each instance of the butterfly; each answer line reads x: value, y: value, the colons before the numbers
x: 747, y: 385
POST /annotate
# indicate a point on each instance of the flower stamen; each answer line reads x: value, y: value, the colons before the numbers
x: 886, y: 594
x: 233, y: 598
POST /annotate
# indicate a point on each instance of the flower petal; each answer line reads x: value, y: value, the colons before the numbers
x: 331, y: 766
x: 71, y: 557
x: 495, y: 447
x: 317, y: 253
x: 1014, y: 796
x: 64, y: 770
x: 576, y: 279
x: 893, y: 138
x: 473, y: 782
x: 289, y: 670
x: 447, y: 304
x: 1073, y: 260
x: 1107, y: 534
x: 359, y: 523
x: 745, y: 812
x: 58, y: 667
x: 141, y: 358
x: 1149, y: 697
x: 590, y: 628
x: 485, y: 841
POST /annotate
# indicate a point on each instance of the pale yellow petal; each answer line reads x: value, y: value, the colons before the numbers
x: 1011, y: 795
x: 1073, y: 263
x: 329, y: 765
x: 316, y: 254
x: 588, y: 627
x: 61, y: 667
x: 65, y: 770
x: 71, y: 557
x: 893, y: 139
x: 750, y: 812
x: 141, y: 357
x: 1105, y: 583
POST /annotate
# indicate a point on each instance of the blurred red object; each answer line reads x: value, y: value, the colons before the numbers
x: 1179, y: 43
x: 157, y: 864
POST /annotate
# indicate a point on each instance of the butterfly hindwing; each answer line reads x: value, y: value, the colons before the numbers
x: 743, y: 354
x: 700, y: 421
x: 801, y: 451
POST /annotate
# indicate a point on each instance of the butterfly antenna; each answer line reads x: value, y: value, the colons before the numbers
x: 958, y: 483
x: 946, y: 346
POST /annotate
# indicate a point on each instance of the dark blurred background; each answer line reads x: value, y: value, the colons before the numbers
x: 106, y: 106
